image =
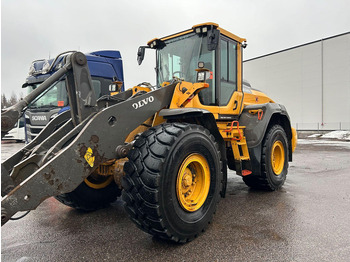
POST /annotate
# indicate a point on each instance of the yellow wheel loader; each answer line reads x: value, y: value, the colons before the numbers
x: 166, y: 148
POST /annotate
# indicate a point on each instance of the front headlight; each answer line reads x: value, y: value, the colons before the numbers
x: 201, y: 76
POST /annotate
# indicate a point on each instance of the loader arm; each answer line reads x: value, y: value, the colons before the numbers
x: 9, y: 116
x: 78, y: 144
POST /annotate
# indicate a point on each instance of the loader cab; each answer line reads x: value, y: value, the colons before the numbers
x: 220, y: 51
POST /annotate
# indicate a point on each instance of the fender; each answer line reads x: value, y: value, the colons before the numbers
x: 256, y: 127
x: 181, y: 113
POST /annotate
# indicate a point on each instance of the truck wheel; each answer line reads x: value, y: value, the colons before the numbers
x: 173, y: 181
x: 274, y: 161
x: 93, y: 193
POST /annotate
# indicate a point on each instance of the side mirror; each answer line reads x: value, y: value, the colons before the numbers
x: 141, y: 54
x: 213, y: 39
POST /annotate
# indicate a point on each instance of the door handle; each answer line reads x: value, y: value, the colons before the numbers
x: 235, y: 104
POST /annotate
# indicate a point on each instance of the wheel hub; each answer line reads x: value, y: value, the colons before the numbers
x: 277, y: 157
x: 193, y: 182
x: 187, y: 179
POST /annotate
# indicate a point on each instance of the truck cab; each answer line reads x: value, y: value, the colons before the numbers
x: 106, y: 70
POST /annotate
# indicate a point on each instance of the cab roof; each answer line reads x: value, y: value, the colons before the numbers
x: 193, y: 29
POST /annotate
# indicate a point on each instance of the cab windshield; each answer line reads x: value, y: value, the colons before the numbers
x: 180, y: 57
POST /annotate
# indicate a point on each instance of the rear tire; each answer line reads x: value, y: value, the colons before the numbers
x: 173, y: 181
x: 91, y: 194
x: 274, y: 161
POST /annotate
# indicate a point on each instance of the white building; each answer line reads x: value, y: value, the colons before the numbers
x: 311, y: 80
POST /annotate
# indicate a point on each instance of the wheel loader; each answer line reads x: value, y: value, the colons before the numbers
x: 165, y: 148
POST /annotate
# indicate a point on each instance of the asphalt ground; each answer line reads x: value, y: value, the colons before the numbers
x: 307, y: 220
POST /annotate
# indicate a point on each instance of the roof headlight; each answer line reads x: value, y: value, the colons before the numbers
x: 204, y: 30
x: 198, y: 30
x: 156, y: 43
x: 31, y: 69
x: 46, y: 67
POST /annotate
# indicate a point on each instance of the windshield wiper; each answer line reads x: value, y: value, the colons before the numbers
x: 48, y: 106
x: 42, y: 107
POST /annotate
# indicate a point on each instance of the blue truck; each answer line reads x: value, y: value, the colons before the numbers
x: 106, y: 71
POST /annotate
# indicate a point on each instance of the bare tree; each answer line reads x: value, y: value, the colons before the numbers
x: 20, y: 96
x: 4, y: 102
x: 13, y: 99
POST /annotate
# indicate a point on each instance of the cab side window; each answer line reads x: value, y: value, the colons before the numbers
x: 228, y: 77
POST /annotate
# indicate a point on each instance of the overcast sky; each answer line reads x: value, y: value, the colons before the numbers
x: 38, y: 29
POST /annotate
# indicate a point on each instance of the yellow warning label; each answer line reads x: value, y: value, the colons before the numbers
x: 89, y: 157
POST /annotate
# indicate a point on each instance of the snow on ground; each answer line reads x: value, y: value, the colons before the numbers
x: 341, y: 135
x: 315, y: 136
x: 320, y: 142
x: 334, y: 138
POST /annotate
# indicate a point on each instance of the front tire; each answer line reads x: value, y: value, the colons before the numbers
x: 173, y: 181
x: 93, y: 193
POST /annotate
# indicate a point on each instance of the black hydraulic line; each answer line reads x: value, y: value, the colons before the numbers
x: 22, y: 216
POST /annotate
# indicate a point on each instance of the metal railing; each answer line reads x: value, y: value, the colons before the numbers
x: 329, y: 126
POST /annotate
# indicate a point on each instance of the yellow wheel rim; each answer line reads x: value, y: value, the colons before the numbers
x: 97, y: 181
x: 277, y: 157
x: 193, y: 181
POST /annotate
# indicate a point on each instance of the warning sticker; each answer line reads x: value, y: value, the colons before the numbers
x: 89, y: 157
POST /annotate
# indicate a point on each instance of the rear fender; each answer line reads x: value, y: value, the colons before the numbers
x: 258, y: 123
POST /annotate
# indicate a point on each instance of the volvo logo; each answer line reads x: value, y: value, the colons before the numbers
x: 39, y: 118
x: 143, y: 102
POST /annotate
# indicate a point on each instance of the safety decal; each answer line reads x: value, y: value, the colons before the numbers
x: 90, y: 159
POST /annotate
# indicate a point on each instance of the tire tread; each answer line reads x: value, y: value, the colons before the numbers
x: 148, y: 153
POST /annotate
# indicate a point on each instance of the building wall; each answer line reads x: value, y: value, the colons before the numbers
x: 312, y: 81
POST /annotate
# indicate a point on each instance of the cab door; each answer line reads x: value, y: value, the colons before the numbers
x: 229, y: 80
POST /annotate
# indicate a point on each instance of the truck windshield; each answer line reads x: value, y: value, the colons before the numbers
x: 55, y: 97
x: 180, y: 57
